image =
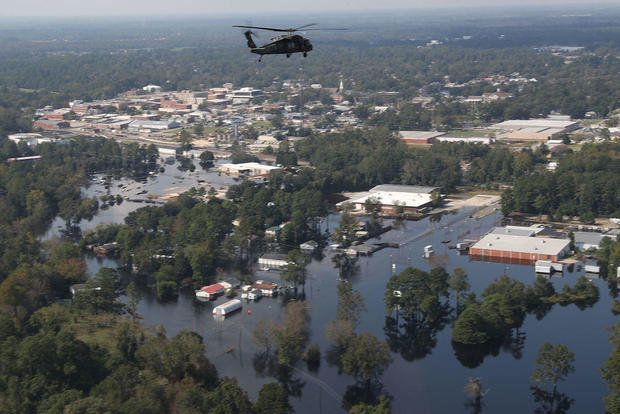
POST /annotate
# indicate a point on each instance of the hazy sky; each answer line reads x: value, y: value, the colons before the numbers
x: 242, y: 7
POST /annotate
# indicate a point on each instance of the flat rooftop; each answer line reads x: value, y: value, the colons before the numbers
x: 522, y: 244
x: 389, y: 198
x: 249, y: 166
x: 533, y: 123
x: 419, y: 134
x: 399, y: 188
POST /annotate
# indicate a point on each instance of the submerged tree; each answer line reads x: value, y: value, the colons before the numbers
x: 473, y: 390
x: 553, y: 365
x: 459, y: 284
x: 366, y: 358
x: 611, y: 372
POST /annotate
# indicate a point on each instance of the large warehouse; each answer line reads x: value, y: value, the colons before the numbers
x: 534, y: 129
x: 518, y: 248
x: 247, y: 168
x: 412, y: 198
x: 419, y: 137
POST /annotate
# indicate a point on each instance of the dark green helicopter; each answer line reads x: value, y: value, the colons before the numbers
x: 285, y: 44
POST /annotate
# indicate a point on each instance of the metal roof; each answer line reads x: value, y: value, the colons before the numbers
x: 419, y: 134
x: 398, y: 188
x: 523, y: 244
x: 534, y: 123
x: 588, y: 237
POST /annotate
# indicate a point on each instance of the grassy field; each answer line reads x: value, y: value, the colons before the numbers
x: 462, y: 133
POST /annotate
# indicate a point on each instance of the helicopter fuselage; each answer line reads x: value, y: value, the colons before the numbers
x: 284, y: 45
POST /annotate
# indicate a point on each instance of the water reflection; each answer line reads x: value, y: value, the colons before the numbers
x: 346, y: 265
x: 266, y: 365
x: 472, y: 356
x: 367, y: 392
x: 414, y: 339
x: 551, y: 402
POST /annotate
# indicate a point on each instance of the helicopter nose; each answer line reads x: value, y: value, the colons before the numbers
x: 309, y: 46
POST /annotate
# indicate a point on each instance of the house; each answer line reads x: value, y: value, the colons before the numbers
x: 272, y: 232
x: 210, y: 292
x: 267, y: 289
x: 273, y: 261
x: 106, y: 249
x: 309, y: 246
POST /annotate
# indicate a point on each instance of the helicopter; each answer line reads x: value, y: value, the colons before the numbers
x: 285, y: 44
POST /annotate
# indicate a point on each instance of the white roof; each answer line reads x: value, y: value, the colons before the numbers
x: 523, y: 244
x: 533, y: 123
x: 392, y: 198
x: 250, y: 166
x: 399, y: 188
x: 419, y: 134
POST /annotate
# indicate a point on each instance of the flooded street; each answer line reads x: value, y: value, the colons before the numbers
x: 425, y: 376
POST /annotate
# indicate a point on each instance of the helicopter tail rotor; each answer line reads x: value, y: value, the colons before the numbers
x: 248, y: 35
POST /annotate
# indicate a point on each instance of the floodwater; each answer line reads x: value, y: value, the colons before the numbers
x: 425, y: 375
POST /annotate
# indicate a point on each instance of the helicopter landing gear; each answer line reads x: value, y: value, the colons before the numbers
x: 305, y: 54
x: 260, y: 59
x: 288, y: 55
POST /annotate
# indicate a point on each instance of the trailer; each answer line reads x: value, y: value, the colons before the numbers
x: 592, y: 269
x: 227, y: 308
x: 543, y: 266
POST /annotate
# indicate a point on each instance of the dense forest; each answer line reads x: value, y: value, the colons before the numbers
x: 585, y: 184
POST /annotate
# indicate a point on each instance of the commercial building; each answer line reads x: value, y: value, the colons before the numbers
x: 412, y: 199
x: 418, y: 137
x: 585, y: 240
x: 467, y: 140
x: 519, y: 247
x: 51, y: 124
x: 248, y: 169
x: 533, y: 129
x: 273, y: 261
x: 153, y: 125
x: 33, y: 139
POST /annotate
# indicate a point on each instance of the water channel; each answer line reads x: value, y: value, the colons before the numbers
x: 425, y: 376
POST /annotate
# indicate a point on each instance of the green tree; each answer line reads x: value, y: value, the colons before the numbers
x: 459, y: 284
x: 366, y: 358
x: 553, y: 364
x: 384, y: 407
x: 273, y: 399
x: 610, y: 372
x: 345, y: 232
x: 228, y: 398
x: 295, y: 270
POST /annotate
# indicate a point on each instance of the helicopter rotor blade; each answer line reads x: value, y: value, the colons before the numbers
x: 327, y: 28
x: 265, y: 28
x: 304, y: 26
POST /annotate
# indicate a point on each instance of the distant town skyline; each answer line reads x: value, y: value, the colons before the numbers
x: 66, y: 8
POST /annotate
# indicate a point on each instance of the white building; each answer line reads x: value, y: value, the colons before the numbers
x: 272, y: 261
x: 411, y: 198
x: 533, y: 129
x: 152, y: 88
x: 248, y: 168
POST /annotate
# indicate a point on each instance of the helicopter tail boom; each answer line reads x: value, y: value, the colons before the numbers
x: 248, y: 36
